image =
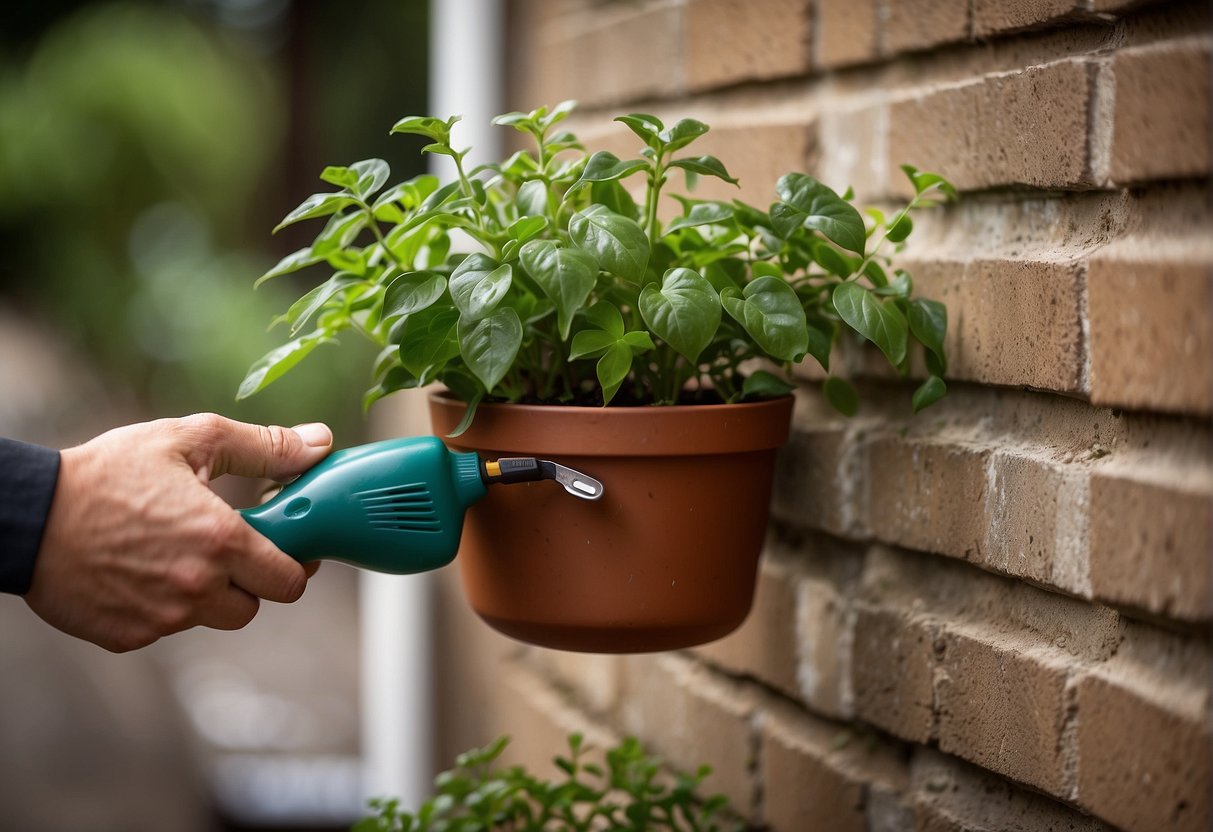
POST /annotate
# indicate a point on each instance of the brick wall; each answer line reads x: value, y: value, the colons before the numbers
x: 995, y: 615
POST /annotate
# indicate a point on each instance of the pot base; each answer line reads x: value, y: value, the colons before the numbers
x: 610, y: 638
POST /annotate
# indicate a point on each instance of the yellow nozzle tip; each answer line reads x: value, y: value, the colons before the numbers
x: 493, y: 469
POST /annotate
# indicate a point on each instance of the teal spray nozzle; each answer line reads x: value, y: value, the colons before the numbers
x: 395, y: 506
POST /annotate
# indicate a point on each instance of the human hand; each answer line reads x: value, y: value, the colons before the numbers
x: 137, y: 545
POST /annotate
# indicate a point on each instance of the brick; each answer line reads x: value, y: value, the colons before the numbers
x: 1143, y: 734
x: 1161, y: 121
x: 1151, y: 335
x: 691, y: 716
x: 539, y: 721
x: 891, y: 672
x: 1003, y: 707
x: 765, y: 646
x: 920, y: 24
x: 756, y: 154
x: 996, y: 16
x: 594, y: 680
x: 825, y: 627
x: 815, y: 476
x: 820, y: 775
x: 931, y: 495
x: 731, y: 41
x: 853, y: 150
x: 1015, y: 322
x: 1150, y: 543
x: 1023, y: 128
x: 845, y: 32
x: 626, y: 52
x: 952, y: 796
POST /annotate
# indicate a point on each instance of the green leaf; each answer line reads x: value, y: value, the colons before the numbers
x: 880, y: 323
x: 764, y: 385
x: 832, y: 260
x: 303, y: 309
x: 490, y: 345
x: 478, y: 284
x: 276, y: 362
x: 684, y: 312
x: 409, y: 194
x: 469, y: 390
x: 705, y: 166
x: 821, y: 342
x: 683, y: 133
x: 639, y: 341
x: 397, y: 378
x: 606, y: 315
x: 605, y: 166
x: 612, y: 369
x: 841, y: 395
x: 412, y: 292
x: 614, y: 196
x: 293, y: 262
x: 900, y: 229
x: 566, y: 275
x: 316, y: 205
x: 705, y: 213
x: 771, y: 313
x: 929, y: 392
x: 532, y: 198
x: 618, y: 243
x: 526, y: 228
x: 339, y: 175
x: 340, y: 231
x: 924, y: 181
x: 645, y: 126
x: 428, y: 339
x: 432, y: 128
x: 370, y: 174
x: 929, y: 323
x: 824, y: 210
x: 591, y: 343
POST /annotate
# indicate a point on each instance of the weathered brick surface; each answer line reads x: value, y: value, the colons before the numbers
x: 950, y: 796
x: 730, y: 41
x: 691, y: 716
x: 1161, y: 122
x: 1022, y: 128
x: 1002, y: 705
x: 962, y: 593
x: 1151, y: 339
x: 845, y: 32
x: 1143, y: 736
x: 911, y: 25
x: 1150, y: 543
x: 1013, y: 322
x: 765, y: 647
x: 991, y: 16
x: 818, y: 775
x: 1006, y: 481
x: 892, y: 672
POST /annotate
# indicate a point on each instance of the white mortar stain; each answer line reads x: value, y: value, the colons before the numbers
x: 1071, y: 535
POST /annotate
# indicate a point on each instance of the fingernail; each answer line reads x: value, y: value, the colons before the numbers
x: 315, y: 434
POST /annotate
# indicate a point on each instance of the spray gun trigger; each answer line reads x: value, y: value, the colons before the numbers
x: 574, y: 482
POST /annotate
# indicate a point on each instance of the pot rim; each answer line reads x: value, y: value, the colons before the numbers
x: 670, y: 430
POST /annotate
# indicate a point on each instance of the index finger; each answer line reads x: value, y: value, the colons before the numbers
x: 259, y: 567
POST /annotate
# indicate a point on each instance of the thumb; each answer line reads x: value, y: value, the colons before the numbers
x: 225, y: 446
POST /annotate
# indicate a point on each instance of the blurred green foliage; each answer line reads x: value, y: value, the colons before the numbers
x: 142, y: 148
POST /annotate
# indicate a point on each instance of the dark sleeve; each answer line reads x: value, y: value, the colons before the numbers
x: 28, y: 474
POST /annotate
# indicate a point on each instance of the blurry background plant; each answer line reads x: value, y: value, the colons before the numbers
x: 146, y: 149
x: 143, y: 147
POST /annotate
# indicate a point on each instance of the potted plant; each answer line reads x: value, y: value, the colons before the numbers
x: 628, y: 794
x: 578, y: 309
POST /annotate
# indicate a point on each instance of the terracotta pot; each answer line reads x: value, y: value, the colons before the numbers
x: 666, y: 559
